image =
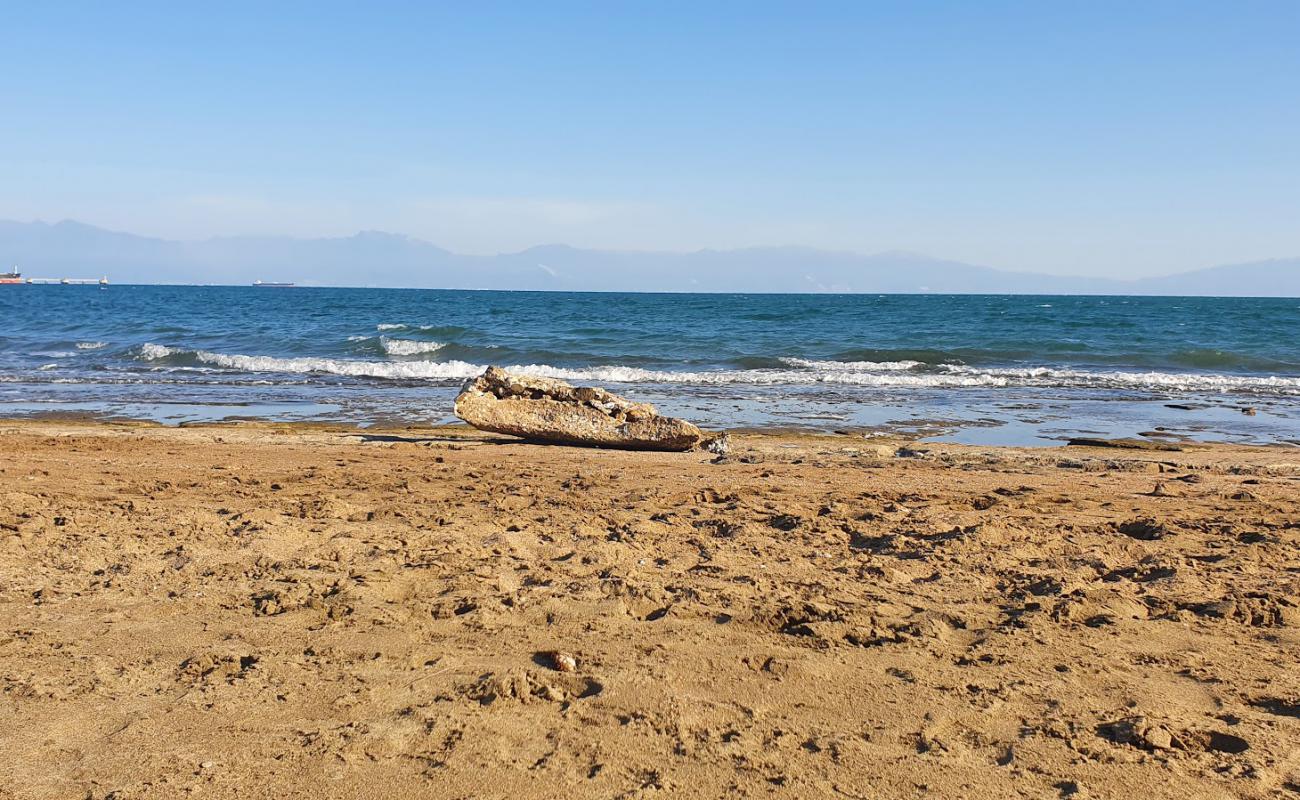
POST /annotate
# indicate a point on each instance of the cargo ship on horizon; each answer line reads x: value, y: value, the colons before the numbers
x: 273, y: 284
x: 15, y: 277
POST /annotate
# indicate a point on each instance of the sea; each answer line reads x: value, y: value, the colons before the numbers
x: 996, y: 370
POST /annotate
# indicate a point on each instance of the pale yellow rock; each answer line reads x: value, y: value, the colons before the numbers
x: 544, y: 409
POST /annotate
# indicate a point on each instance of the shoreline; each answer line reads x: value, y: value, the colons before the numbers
x: 979, y: 421
x: 846, y: 443
x: 290, y: 610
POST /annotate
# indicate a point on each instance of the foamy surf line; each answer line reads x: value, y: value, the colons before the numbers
x: 408, y: 347
x: 894, y: 374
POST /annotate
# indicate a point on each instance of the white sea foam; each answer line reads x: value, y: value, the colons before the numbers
x: 408, y: 347
x: 91, y: 345
x: 852, y: 366
x: 152, y: 352
x: 402, y: 326
x: 805, y: 373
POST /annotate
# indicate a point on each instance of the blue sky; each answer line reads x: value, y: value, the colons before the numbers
x: 1103, y: 138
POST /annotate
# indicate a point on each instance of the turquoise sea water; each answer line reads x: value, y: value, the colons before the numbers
x: 1013, y: 369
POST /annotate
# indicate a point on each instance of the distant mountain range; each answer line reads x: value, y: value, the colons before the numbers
x: 370, y: 258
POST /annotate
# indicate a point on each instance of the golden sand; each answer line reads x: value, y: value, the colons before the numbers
x: 269, y: 611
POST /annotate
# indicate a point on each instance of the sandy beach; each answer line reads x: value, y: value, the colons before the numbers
x: 275, y: 611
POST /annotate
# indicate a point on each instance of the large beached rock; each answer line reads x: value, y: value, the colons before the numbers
x: 553, y: 411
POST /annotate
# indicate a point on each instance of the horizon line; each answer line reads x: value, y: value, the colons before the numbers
x: 295, y: 285
x: 896, y: 252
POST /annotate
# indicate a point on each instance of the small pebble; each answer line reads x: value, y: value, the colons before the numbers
x: 563, y: 662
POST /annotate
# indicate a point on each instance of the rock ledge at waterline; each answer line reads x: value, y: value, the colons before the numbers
x: 544, y: 409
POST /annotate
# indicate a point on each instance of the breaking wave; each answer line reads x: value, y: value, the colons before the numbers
x: 408, y: 347
x: 852, y: 366
x: 794, y: 372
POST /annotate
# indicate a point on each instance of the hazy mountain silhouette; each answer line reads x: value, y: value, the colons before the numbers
x: 371, y: 258
x: 1274, y: 278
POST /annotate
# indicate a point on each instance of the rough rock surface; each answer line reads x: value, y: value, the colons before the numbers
x: 553, y: 411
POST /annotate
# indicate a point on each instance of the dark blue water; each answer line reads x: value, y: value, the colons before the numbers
x: 936, y: 363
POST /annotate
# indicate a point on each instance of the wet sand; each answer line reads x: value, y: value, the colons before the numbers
x: 276, y: 611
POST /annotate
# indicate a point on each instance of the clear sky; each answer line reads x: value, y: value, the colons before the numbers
x: 1118, y: 138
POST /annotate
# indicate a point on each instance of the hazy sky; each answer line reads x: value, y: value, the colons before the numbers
x: 1106, y: 138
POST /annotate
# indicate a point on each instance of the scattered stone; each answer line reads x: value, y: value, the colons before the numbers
x: 543, y: 409
x: 1126, y: 444
x: 561, y: 661
x: 719, y: 445
x: 1165, y: 490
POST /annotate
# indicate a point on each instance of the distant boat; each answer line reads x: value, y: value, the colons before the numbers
x: 273, y: 284
x: 14, y: 277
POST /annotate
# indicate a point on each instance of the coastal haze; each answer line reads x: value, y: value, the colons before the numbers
x: 379, y: 259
